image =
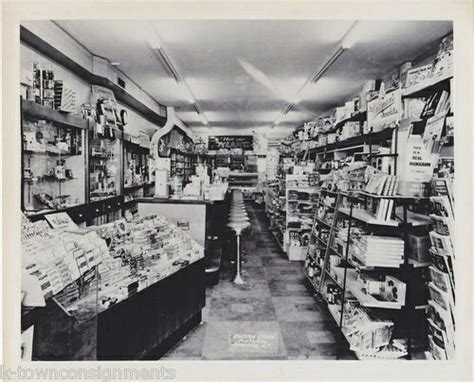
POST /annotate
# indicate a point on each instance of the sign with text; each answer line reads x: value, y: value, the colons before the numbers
x: 385, y: 110
x: 416, y: 163
x: 244, y: 142
x: 254, y: 342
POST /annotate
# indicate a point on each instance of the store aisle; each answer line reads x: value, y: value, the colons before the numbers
x: 273, y: 316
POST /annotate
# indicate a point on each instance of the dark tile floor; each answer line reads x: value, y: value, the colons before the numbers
x: 273, y: 316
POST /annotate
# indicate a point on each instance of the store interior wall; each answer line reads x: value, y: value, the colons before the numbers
x: 53, y: 34
x: 49, y: 32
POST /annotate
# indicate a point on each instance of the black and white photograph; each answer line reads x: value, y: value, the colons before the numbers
x: 243, y: 189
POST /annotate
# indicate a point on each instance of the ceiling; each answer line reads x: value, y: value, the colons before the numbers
x: 243, y: 73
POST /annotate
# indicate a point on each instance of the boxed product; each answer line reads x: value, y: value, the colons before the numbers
x: 443, y: 64
x: 350, y: 129
x: 323, y: 139
x: 403, y: 73
x: 418, y: 75
x: 419, y: 248
x: 385, y: 110
x: 331, y: 138
x: 349, y: 108
x: 340, y: 113
x: 389, y: 290
x: 368, y: 87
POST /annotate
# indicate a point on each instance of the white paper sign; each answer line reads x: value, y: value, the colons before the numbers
x: 385, y: 110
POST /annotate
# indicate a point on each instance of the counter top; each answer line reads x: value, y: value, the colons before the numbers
x: 175, y: 201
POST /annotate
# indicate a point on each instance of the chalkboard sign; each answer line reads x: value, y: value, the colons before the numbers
x: 244, y: 142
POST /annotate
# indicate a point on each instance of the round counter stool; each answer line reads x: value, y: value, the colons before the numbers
x: 237, y: 210
x: 237, y: 227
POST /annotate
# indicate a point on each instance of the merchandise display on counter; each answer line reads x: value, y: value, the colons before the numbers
x: 88, y: 270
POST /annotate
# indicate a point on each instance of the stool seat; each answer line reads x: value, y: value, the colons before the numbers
x: 237, y: 212
x: 238, y: 225
x: 238, y: 209
x: 239, y: 220
x: 238, y: 216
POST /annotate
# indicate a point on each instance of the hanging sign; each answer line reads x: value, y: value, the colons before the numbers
x: 244, y: 142
x: 385, y: 110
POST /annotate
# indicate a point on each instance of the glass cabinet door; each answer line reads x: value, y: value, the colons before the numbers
x: 53, y: 165
x: 105, y: 166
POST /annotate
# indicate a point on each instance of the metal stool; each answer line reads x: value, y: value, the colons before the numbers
x: 237, y: 226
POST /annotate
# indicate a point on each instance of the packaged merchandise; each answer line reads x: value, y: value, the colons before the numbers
x: 66, y: 261
x: 418, y: 75
x: 419, y: 247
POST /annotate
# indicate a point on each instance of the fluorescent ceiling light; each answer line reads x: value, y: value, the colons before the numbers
x: 328, y: 64
x: 196, y: 108
x: 349, y: 38
x: 152, y: 36
x: 346, y: 43
x: 288, y: 108
x: 163, y: 58
x: 189, y: 98
x: 203, y: 119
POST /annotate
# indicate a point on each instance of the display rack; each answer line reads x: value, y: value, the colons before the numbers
x: 301, y: 202
x: 53, y: 159
x: 183, y: 164
x: 346, y: 276
x: 137, y: 181
x: 275, y: 205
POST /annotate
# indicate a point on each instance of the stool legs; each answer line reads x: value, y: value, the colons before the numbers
x: 238, y: 277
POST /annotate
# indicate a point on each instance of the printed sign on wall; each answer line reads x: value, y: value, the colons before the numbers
x: 244, y: 142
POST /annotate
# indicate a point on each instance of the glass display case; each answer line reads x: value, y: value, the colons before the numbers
x: 136, y: 166
x: 87, y: 276
x: 63, y: 265
x: 105, y: 165
x: 183, y: 165
x: 53, y: 159
x: 137, y: 180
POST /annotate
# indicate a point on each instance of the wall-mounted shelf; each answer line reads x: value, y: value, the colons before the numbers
x: 426, y: 87
x: 369, y: 218
x: 358, y: 117
x: 35, y: 110
x: 121, y: 95
x: 358, y: 140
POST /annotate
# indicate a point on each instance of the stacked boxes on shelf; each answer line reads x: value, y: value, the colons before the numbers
x: 302, y: 197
